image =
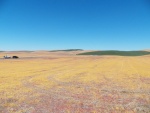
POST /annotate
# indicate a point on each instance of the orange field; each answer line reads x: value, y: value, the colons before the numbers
x: 54, y: 83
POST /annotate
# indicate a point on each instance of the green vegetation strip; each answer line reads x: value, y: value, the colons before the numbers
x: 119, y: 53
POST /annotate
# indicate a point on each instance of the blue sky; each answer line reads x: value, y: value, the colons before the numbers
x: 74, y: 24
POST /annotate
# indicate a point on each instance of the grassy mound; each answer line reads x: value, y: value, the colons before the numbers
x: 119, y: 53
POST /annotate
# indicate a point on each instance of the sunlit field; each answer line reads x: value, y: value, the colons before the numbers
x: 75, y: 84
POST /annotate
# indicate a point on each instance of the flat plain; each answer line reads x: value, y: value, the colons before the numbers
x: 61, y: 82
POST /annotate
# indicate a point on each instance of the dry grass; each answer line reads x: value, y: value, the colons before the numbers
x: 70, y: 84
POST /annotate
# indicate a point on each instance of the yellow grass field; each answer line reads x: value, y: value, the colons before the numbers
x: 65, y: 83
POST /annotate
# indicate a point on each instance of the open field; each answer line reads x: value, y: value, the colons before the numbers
x: 61, y: 82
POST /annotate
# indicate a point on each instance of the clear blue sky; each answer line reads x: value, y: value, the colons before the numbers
x: 74, y: 24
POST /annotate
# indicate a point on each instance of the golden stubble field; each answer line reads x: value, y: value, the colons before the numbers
x: 50, y: 83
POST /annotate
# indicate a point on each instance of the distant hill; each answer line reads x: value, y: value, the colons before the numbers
x: 22, y: 51
x: 66, y: 50
x: 17, y: 51
x: 119, y: 53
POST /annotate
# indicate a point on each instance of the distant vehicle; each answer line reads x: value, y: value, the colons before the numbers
x: 7, y: 57
x: 15, y: 57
